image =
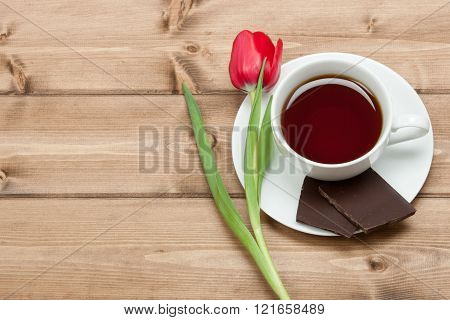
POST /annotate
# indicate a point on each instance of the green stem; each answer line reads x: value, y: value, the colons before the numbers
x: 252, y: 183
x: 264, y: 146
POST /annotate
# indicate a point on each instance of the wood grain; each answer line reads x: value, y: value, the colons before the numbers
x: 89, y: 145
x: 181, y: 249
x: 102, y: 192
x: 129, y: 47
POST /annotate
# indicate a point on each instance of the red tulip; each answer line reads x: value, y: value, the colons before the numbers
x: 247, y: 55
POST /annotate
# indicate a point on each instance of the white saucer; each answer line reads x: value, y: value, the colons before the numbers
x: 404, y: 166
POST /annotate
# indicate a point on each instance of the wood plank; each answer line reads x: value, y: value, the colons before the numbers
x: 151, y: 46
x: 89, y: 145
x: 181, y: 249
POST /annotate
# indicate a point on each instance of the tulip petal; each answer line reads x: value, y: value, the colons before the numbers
x: 275, y: 65
x: 264, y: 45
x: 248, y: 52
x: 243, y: 61
x: 266, y: 49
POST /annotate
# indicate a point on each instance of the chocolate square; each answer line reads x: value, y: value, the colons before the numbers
x: 316, y: 211
x: 367, y: 200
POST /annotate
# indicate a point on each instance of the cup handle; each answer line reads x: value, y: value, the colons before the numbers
x: 419, y: 124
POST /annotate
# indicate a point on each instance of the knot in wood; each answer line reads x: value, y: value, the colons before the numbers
x: 192, y: 48
x: 377, y: 263
x: 3, y: 177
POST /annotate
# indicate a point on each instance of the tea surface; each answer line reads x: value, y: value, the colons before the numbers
x: 332, y: 123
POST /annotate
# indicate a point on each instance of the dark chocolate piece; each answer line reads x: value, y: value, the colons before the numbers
x: 315, y: 211
x: 367, y: 200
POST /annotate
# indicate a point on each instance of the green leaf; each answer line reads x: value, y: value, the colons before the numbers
x: 251, y: 158
x: 223, y: 201
x: 264, y: 146
x: 252, y: 171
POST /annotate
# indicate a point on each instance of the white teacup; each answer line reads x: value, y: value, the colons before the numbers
x: 299, y: 80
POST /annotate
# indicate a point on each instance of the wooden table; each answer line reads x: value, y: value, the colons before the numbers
x: 103, y: 195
